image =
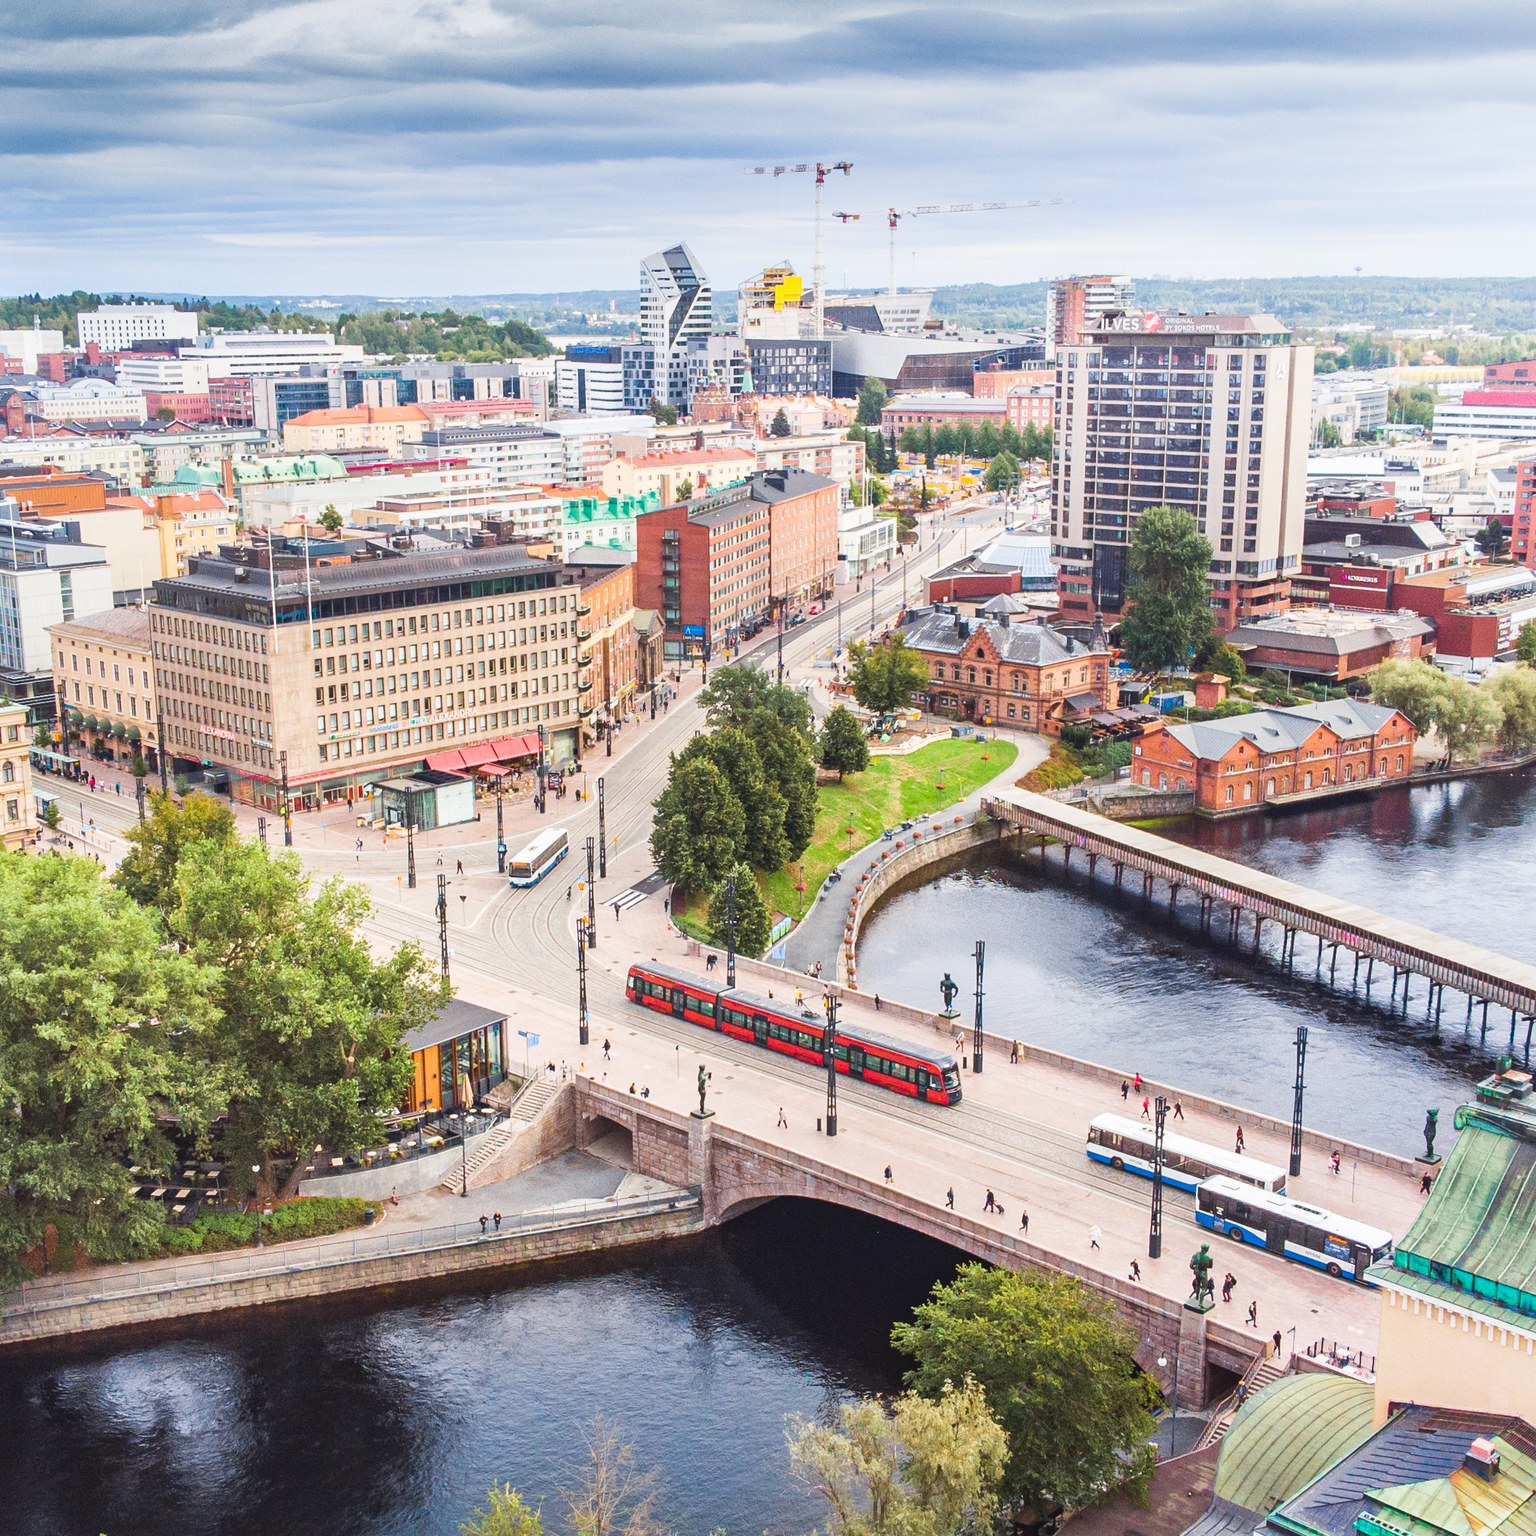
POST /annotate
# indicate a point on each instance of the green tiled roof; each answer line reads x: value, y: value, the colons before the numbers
x: 1474, y: 1243
x: 1287, y: 1434
x: 1462, y: 1503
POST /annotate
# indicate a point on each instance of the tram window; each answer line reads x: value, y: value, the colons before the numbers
x: 707, y: 1007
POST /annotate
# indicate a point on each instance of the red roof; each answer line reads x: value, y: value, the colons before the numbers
x: 1512, y: 396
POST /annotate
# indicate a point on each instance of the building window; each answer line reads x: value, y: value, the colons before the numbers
x: 1399, y: 762
x: 1229, y: 794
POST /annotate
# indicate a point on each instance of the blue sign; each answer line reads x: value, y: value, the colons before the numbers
x: 693, y: 631
x: 532, y: 1039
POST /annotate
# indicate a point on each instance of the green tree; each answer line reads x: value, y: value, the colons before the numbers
x: 311, y: 1031
x: 884, y: 677
x: 753, y: 923
x: 930, y: 448
x: 1168, y: 600
x: 1468, y: 718
x: 1327, y: 434
x: 1525, y: 643
x: 1514, y: 691
x: 102, y: 1031
x: 1414, y: 687
x: 52, y: 816
x: 872, y: 398
x: 664, y: 415
x: 1493, y: 539
x: 741, y: 696
x: 1213, y: 654
x: 735, y: 754
x: 1055, y: 1361
x: 332, y: 519
x: 781, y: 426
x: 786, y: 753
x: 159, y: 843
x: 139, y: 768
x: 685, y: 490
x: 698, y: 828
x: 843, y: 746
x: 918, y: 1467
x: 1002, y: 473
x: 504, y: 1514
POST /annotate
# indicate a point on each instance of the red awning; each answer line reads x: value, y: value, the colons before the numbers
x: 478, y: 755
x: 512, y: 747
x: 446, y: 762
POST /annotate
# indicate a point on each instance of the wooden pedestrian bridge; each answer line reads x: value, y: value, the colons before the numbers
x: 1239, y: 895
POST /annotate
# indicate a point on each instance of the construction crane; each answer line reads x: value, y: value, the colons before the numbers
x: 822, y: 171
x: 895, y: 215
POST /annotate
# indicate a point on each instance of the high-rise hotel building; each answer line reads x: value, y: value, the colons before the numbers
x: 1207, y: 412
x: 348, y: 672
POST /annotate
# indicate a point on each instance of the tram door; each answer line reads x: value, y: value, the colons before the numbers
x: 679, y: 1002
x: 855, y: 1061
x: 759, y: 1029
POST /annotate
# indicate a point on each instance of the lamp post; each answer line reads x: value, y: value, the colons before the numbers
x: 730, y: 930
x: 582, y: 1020
x: 1173, y: 1428
x: 287, y: 804
x: 1155, y: 1229
x: 165, y: 779
x: 591, y: 894
x: 442, y: 922
x: 539, y: 798
x: 1301, y: 1085
x: 463, y: 1154
x: 261, y: 830
x: 501, y: 836
x: 602, y: 829
x: 976, y: 1033
x: 829, y: 1044
x: 410, y: 856
x: 256, y: 1200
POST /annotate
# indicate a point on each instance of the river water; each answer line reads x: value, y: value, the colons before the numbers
x: 371, y: 1419
x: 1112, y: 978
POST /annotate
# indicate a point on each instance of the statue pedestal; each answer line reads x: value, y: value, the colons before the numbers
x: 1431, y: 1161
x: 949, y: 1015
x: 1201, y: 1307
x: 702, y: 1114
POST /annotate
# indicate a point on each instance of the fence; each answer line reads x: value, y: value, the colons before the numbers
x: 170, y: 1275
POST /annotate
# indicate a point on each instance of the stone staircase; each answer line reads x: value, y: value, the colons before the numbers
x: 522, y: 1112
x: 1257, y: 1378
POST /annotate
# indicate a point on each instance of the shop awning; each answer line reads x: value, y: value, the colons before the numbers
x: 507, y: 750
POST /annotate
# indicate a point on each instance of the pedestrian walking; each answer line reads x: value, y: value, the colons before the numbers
x: 615, y: 911
x: 458, y: 866
x: 1239, y: 1139
x: 709, y: 963
x: 1146, y: 1109
x: 1136, y: 1082
x: 1334, y: 1162
x: 890, y: 1178
x: 1135, y: 1270
x: 1125, y: 1089
x: 783, y: 1123
x: 1093, y: 1237
x: 1024, y: 1223
x: 1425, y: 1184
x: 1178, y: 1110
x: 439, y: 861
x: 990, y: 1203
x: 949, y: 1198
x: 485, y: 1221
x: 1276, y: 1340
x: 497, y: 1219
x: 1253, y: 1314
x: 1013, y: 1055
x: 607, y: 1048
x: 877, y: 1002
x: 1226, y: 1286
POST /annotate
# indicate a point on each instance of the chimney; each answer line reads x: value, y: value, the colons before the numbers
x: 1482, y: 1459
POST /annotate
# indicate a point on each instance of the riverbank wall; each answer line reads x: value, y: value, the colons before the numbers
x: 127, y: 1298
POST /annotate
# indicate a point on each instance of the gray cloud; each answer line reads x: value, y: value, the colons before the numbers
x: 551, y: 141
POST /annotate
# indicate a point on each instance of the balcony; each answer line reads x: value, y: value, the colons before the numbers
x: 583, y: 610
x: 583, y: 658
x: 584, y: 686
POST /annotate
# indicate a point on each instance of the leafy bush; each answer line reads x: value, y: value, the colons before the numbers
x: 219, y: 1231
x: 1076, y: 737
x: 1059, y: 771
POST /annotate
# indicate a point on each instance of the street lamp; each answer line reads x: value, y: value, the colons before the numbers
x: 256, y: 1174
x: 1173, y: 1428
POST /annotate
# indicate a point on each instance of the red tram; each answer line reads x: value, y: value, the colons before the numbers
x: 795, y: 1030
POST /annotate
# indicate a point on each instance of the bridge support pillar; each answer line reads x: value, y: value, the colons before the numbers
x: 1192, y: 1386
x: 1258, y: 929
x: 1146, y: 887
x: 1370, y: 973
x: 1319, y: 970
x: 698, y: 1165
x: 1484, y: 1030
x: 1093, y: 863
x: 1173, y: 897
x: 1119, y: 871
x: 1529, y: 1021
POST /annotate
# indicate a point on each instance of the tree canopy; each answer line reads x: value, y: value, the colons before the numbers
x: 780, y: 426
x: 1525, y: 643
x: 753, y: 922
x: 733, y: 752
x: 444, y: 334
x: 872, y: 399
x: 916, y: 1467
x: 884, y: 676
x: 1167, y: 597
x: 698, y: 829
x: 156, y: 846
x: 1463, y: 715
x: 1513, y: 690
x: 843, y: 746
x: 1493, y: 538
x: 1056, y: 1364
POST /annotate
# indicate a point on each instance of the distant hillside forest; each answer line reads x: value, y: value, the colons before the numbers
x: 387, y: 332
x: 1493, y: 306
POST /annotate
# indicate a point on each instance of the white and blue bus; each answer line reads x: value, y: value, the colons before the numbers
x: 1290, y: 1229
x: 1127, y: 1144
x: 529, y: 865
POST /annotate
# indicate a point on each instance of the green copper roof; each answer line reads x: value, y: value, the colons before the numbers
x: 1463, y: 1503
x: 1474, y: 1243
x: 1287, y: 1434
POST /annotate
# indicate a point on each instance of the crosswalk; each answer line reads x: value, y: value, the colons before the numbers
x: 635, y: 894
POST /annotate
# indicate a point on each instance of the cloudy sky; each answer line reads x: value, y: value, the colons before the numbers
x: 477, y: 146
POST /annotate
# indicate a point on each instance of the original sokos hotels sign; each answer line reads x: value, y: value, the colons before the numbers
x: 1153, y: 322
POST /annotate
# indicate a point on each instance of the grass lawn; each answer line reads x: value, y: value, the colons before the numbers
x: 890, y: 790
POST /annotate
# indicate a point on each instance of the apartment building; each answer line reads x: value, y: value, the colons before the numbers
x: 511, y: 455
x: 264, y: 354
x: 606, y: 615
x: 355, y: 429
x: 18, y: 810
x: 802, y: 534
x: 833, y: 454
x: 1207, y: 412
x: 337, y: 674
x: 1074, y: 305
x: 672, y: 476
x: 103, y: 679
x: 704, y: 565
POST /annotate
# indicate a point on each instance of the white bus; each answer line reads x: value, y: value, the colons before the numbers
x: 1291, y: 1230
x: 529, y: 865
x: 1127, y: 1144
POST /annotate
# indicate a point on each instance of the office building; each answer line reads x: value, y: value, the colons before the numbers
x: 676, y: 308
x: 116, y: 327
x: 704, y: 566
x: 832, y: 454
x: 939, y: 408
x: 103, y: 678
x: 18, y: 810
x: 119, y: 459
x: 27, y: 347
x: 348, y: 672
x: 774, y: 303
x: 1075, y: 305
x: 276, y: 399
x: 1210, y: 413
x: 944, y: 360
x: 47, y: 575
x: 590, y: 379
x: 90, y: 400
x: 252, y: 354
x: 1506, y: 414
x: 802, y: 534
x: 511, y: 455
x: 784, y: 367
x: 1353, y: 405
x: 163, y: 375
x: 866, y: 543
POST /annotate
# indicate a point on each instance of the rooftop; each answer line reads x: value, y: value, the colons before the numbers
x: 942, y: 629
x: 358, y: 415
x: 121, y: 626
x: 1280, y: 730
x: 1330, y: 631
